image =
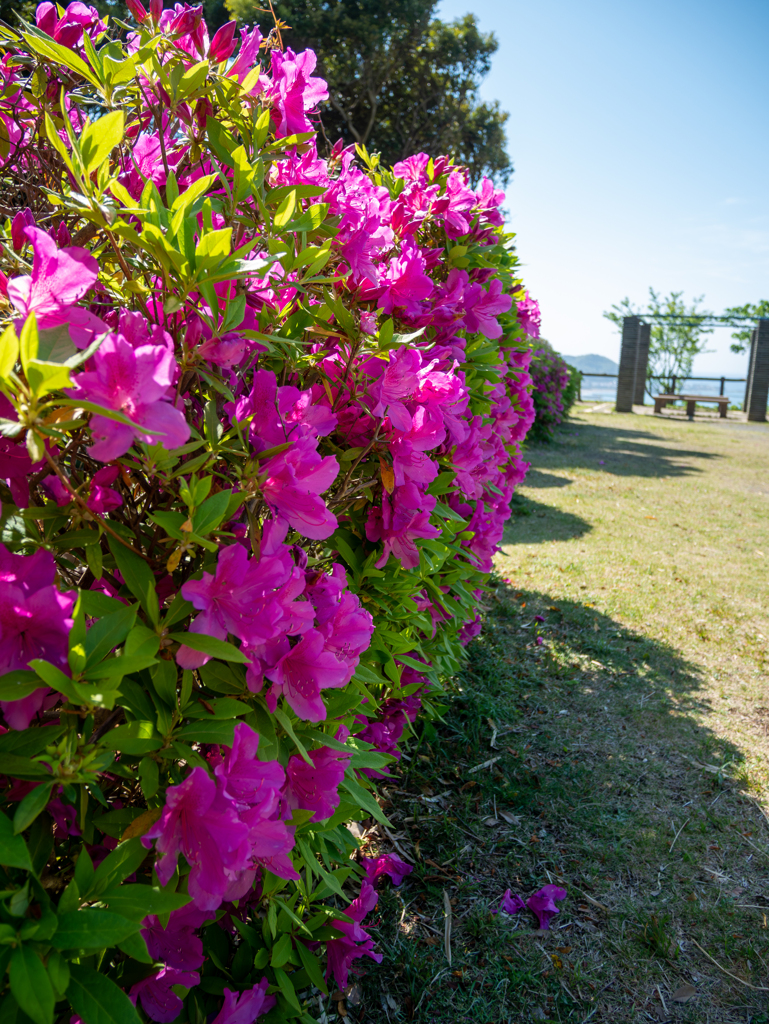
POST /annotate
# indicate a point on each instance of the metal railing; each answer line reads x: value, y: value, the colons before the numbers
x: 670, y: 381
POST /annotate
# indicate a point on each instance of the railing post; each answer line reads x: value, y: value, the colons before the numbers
x: 641, y: 363
x: 723, y: 382
x: 627, y: 364
x: 673, y: 385
x: 758, y: 385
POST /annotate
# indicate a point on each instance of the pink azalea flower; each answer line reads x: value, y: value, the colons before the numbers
x: 242, y: 598
x: 157, y: 996
x: 542, y: 903
x: 404, y: 517
x: 270, y: 842
x: 60, y: 277
x: 348, y: 633
x: 484, y: 307
x: 245, y: 1007
x: 223, y: 44
x: 510, y: 904
x: 178, y: 944
x: 406, y: 283
x: 293, y: 484
x: 134, y: 382
x: 68, y: 30
x: 293, y: 91
x: 102, y: 497
x: 529, y: 316
x: 250, y: 41
x: 316, y: 786
x: 302, y: 673
x: 246, y: 780
x: 34, y: 623
x: 356, y: 941
x: 201, y: 824
x: 389, y: 864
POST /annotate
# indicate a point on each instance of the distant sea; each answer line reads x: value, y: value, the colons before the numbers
x: 604, y: 389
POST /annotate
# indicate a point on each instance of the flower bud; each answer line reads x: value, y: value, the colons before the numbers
x: 21, y: 222
x: 186, y: 21
x: 137, y: 10
x: 223, y: 44
x: 156, y: 9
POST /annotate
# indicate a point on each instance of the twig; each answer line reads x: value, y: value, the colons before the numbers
x: 447, y: 926
x: 755, y: 988
x: 94, y: 515
x: 662, y: 1000
x: 486, y: 764
x: 678, y: 833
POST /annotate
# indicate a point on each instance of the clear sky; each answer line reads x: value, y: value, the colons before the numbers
x: 638, y: 132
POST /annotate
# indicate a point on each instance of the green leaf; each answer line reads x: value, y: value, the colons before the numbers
x: 138, y: 577
x: 210, y: 645
x: 222, y: 677
x: 97, y: 999
x: 29, y: 341
x: 223, y: 708
x: 18, y: 684
x: 364, y: 799
x: 281, y: 951
x: 285, y: 721
x: 115, y: 668
x: 285, y: 211
x: 114, y: 823
x: 287, y: 988
x: 311, y: 965
x: 33, y: 804
x: 22, y: 767
x: 211, y: 513
x: 59, y: 54
x: 13, y: 849
x: 31, y: 986
x: 119, y: 864
x: 136, y: 901
x: 133, y: 738
x: 149, y: 777
x: 92, y: 929
x: 9, y: 350
x: 47, y: 377
x: 108, y: 632
x: 208, y: 732
x: 100, y: 138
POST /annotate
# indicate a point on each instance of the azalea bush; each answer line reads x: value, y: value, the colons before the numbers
x: 261, y: 420
x: 555, y: 387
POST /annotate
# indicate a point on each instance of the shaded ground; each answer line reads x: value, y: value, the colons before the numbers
x: 627, y: 741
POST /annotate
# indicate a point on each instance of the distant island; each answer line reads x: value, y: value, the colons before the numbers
x: 592, y: 363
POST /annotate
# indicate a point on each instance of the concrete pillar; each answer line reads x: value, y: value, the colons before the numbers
x: 641, y: 363
x: 758, y: 385
x: 627, y: 364
x: 750, y: 369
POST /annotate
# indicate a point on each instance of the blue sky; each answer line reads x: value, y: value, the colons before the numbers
x: 639, y: 137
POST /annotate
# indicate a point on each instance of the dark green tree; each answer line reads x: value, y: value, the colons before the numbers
x: 741, y: 341
x: 400, y: 81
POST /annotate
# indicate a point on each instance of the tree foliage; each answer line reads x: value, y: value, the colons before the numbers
x: 400, y: 81
x: 675, y: 342
x: 741, y: 338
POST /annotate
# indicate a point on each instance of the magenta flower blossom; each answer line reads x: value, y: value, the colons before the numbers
x: 178, y: 944
x: 251, y: 598
x: 356, y: 941
x: 158, y: 999
x: 292, y: 487
x: 406, y: 283
x: 35, y: 620
x: 315, y: 787
x: 24, y: 219
x: 389, y: 864
x: 510, y: 904
x: 223, y: 44
x: 486, y: 307
x: 302, y: 673
x: 102, y: 497
x: 68, y: 30
x: 529, y: 316
x: 246, y: 780
x: 542, y: 903
x: 404, y: 517
x: 203, y: 826
x: 60, y: 277
x: 245, y: 1007
x: 293, y: 91
x: 134, y: 382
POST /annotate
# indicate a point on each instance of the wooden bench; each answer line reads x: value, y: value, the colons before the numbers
x: 660, y: 401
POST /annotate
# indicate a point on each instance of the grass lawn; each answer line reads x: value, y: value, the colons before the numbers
x: 624, y: 752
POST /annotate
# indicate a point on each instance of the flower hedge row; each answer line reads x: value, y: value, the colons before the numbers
x: 555, y: 388
x: 261, y: 420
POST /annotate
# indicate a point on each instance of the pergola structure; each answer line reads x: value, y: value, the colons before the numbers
x: 634, y: 360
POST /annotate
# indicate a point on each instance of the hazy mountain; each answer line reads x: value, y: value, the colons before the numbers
x: 592, y: 363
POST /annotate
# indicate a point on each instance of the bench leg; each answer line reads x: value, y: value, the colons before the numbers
x: 658, y: 405
x: 722, y: 410
x: 690, y: 409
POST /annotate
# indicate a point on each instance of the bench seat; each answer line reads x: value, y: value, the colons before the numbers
x: 660, y: 401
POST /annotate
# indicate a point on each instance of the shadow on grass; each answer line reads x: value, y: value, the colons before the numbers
x: 617, y: 450
x: 543, y: 522
x: 590, y: 762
